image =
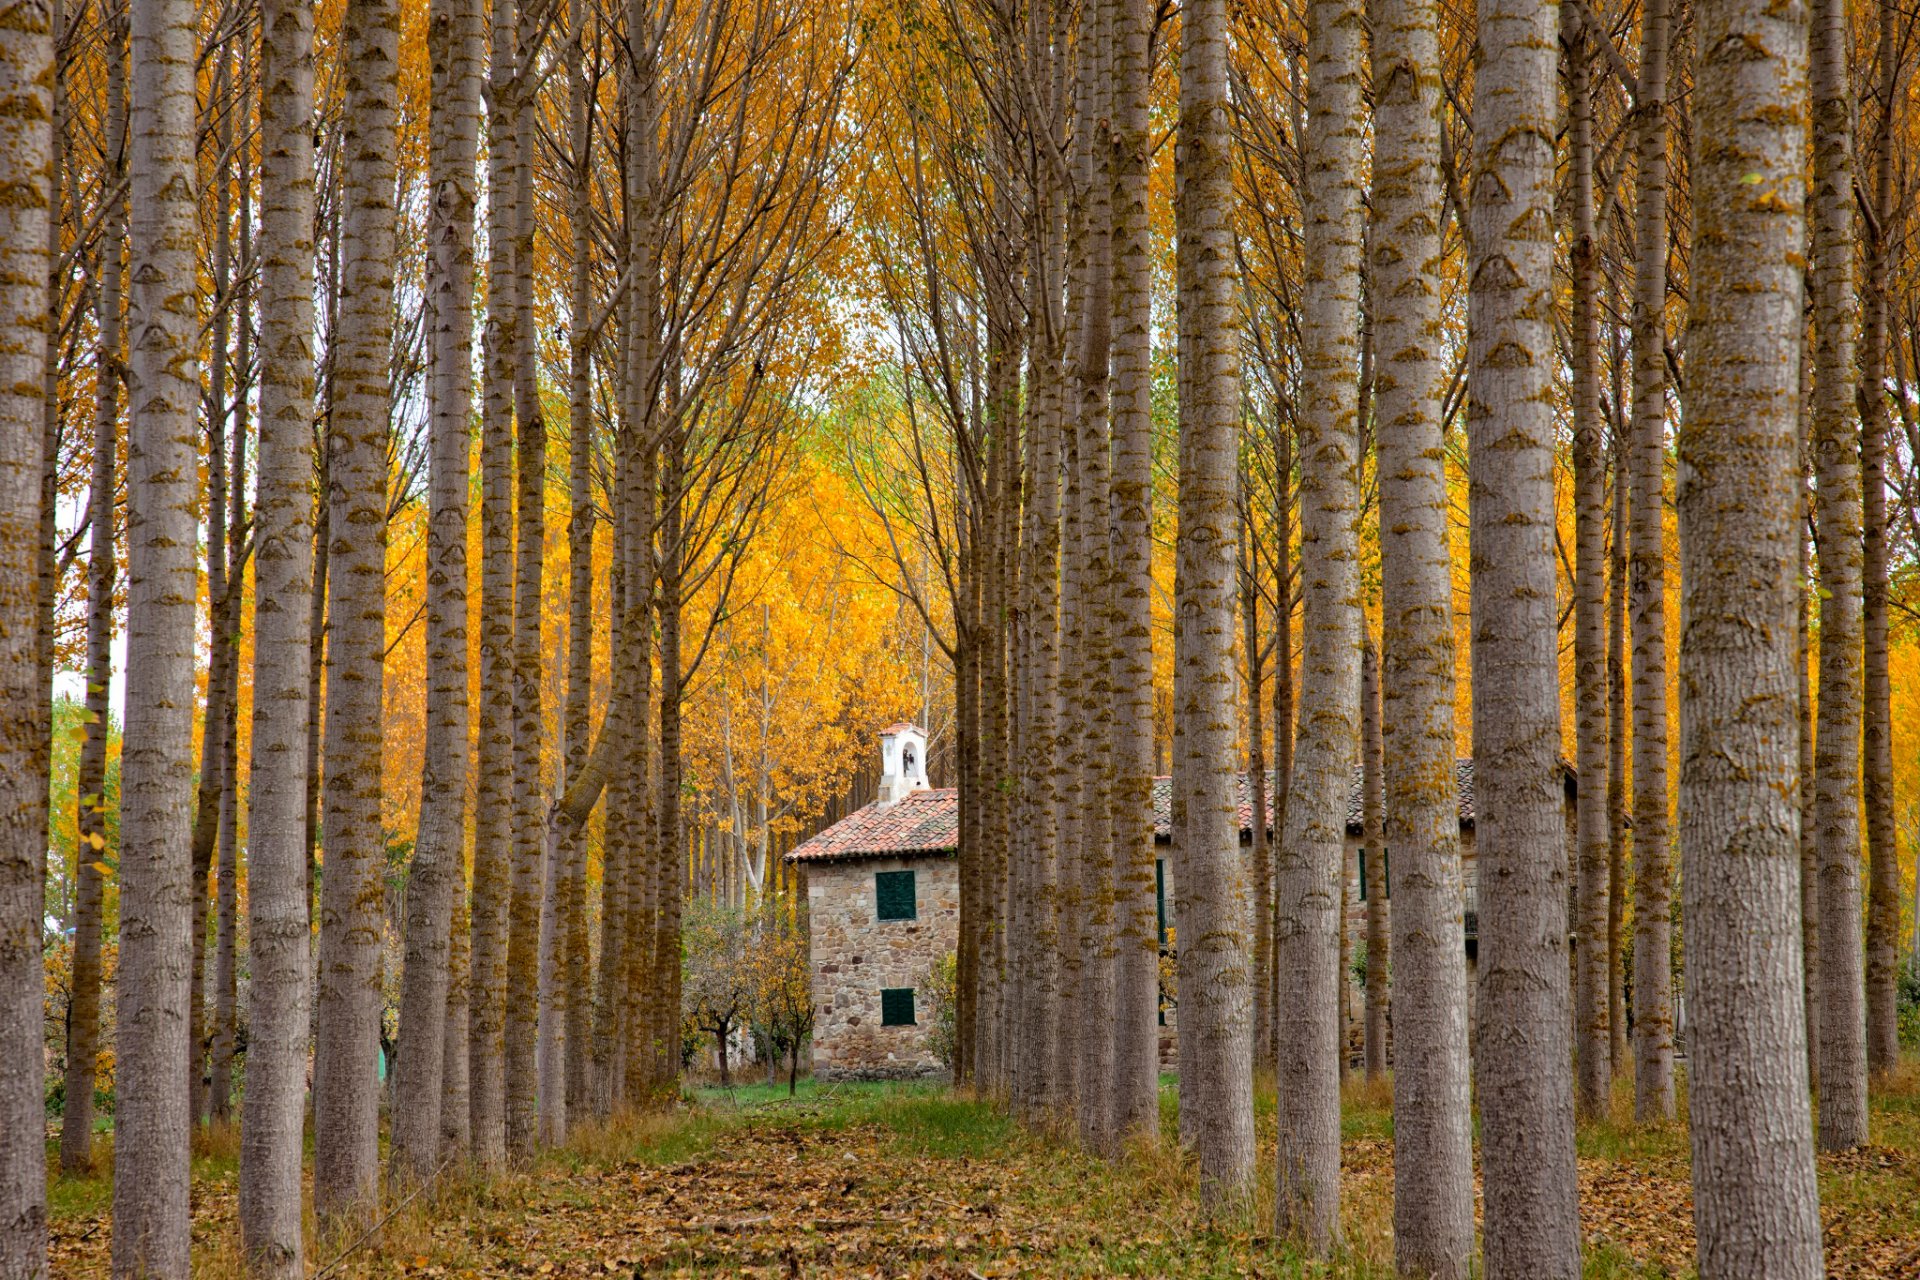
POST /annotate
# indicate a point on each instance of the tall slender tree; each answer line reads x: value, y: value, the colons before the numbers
x: 273, y: 1104
x: 1755, y: 1202
x: 437, y: 875
x: 1432, y: 1123
x: 1592, y: 1049
x: 1216, y: 999
x: 1308, y: 887
x: 493, y: 760
x: 83, y: 1021
x: 150, y: 1228
x: 1836, y: 459
x: 26, y: 164
x: 1532, y: 1224
x: 346, y: 1170
x: 1647, y: 559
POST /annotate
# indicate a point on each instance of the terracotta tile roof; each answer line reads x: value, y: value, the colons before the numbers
x: 921, y: 822
x: 902, y: 726
x: 929, y: 821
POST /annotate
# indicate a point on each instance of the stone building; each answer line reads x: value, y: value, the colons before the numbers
x: 883, y: 894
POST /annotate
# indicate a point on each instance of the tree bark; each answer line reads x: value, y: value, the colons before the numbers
x: 27, y: 170
x: 1216, y: 1005
x: 1756, y: 1202
x: 437, y: 876
x: 1373, y: 816
x: 1432, y: 1084
x: 1653, y: 1097
x: 1592, y: 1052
x: 83, y: 1022
x: 530, y: 461
x: 493, y: 798
x: 1309, y: 935
x: 151, y: 1121
x: 346, y: 1117
x: 273, y: 1103
x: 1836, y: 444
x: 1532, y: 1225
x: 1883, y: 850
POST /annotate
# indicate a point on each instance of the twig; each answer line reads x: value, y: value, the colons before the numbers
x: 374, y: 1230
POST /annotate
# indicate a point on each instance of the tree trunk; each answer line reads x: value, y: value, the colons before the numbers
x: 83, y: 1021
x: 530, y: 460
x: 1836, y: 444
x: 1037, y: 1096
x: 1432, y: 1121
x: 150, y: 1216
x: 1809, y: 832
x: 1652, y: 858
x: 26, y: 76
x: 493, y: 795
x: 213, y: 723
x: 1619, y: 1052
x: 456, y: 1112
x: 1756, y: 1202
x: 1592, y: 1051
x: 1532, y: 1224
x: 273, y: 1103
x: 1095, y: 1011
x: 669, y: 844
x: 1216, y: 1006
x: 226, y: 959
x: 1372, y: 808
x: 1308, y: 940
x: 1883, y: 849
x: 437, y: 876
x: 1283, y: 696
x: 572, y: 971
x: 346, y: 1115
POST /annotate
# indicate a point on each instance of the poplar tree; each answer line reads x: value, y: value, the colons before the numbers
x: 1531, y: 1216
x: 1308, y: 940
x: 273, y: 1103
x: 1755, y: 1197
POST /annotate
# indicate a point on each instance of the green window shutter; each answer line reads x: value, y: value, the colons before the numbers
x: 896, y: 1005
x: 894, y: 896
x: 1160, y: 895
x: 1363, y: 874
x: 1386, y: 871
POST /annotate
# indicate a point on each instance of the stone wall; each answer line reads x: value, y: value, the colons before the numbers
x: 855, y: 955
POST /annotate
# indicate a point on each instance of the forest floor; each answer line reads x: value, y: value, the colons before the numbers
x: 894, y: 1181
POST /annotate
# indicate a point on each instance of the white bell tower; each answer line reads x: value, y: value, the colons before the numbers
x: 903, y: 761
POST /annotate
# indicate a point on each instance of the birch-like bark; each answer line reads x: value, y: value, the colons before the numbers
x: 1756, y: 1201
x: 1216, y: 998
x: 1883, y: 849
x: 346, y: 1116
x: 438, y: 876
x: 83, y: 1024
x: 151, y: 1120
x: 493, y: 795
x: 1372, y: 819
x: 1836, y: 459
x: 1653, y: 1097
x: 530, y: 462
x: 1592, y: 1050
x: 1619, y: 1051
x: 1532, y: 1223
x: 273, y: 1102
x: 1432, y: 1120
x: 1308, y: 936
x: 26, y: 170
x: 569, y: 969
x: 1094, y: 1013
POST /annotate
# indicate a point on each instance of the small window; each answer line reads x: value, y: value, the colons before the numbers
x: 893, y: 896
x: 896, y: 1004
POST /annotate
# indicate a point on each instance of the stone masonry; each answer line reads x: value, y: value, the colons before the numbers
x: 856, y: 956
